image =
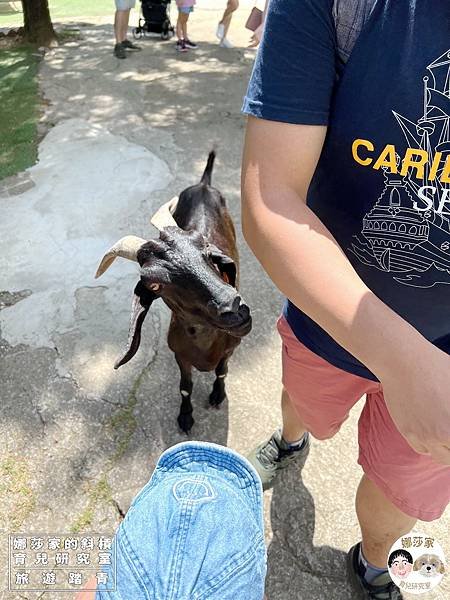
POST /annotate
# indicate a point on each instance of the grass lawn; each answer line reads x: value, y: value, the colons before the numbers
x: 18, y: 110
x: 59, y: 10
x: 18, y: 82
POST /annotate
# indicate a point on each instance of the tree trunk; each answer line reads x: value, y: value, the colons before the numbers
x: 37, y: 22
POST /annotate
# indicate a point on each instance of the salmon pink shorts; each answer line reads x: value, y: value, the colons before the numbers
x: 323, y: 395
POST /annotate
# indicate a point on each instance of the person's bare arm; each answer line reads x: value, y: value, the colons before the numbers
x: 305, y: 262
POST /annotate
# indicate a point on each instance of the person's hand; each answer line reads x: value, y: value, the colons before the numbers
x: 417, y: 395
x: 256, y: 37
x: 88, y: 592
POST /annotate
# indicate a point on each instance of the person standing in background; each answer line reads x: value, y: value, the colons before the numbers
x: 185, y: 7
x: 224, y: 23
x: 121, y: 20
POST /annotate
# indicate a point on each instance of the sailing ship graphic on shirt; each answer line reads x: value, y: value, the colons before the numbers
x: 397, y: 237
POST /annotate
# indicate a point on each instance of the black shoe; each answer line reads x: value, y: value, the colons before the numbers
x: 119, y: 51
x: 181, y: 46
x: 381, y: 588
x: 130, y: 46
x: 190, y: 44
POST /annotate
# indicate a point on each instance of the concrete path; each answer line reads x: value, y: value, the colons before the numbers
x: 78, y: 439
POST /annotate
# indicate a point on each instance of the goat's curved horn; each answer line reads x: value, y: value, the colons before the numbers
x: 126, y: 247
x: 163, y: 217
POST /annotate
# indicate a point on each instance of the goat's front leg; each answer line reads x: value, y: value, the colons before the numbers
x: 185, y: 419
x: 218, y: 393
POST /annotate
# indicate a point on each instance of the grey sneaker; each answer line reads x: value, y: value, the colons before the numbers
x: 381, y: 588
x: 273, y: 455
x: 119, y: 51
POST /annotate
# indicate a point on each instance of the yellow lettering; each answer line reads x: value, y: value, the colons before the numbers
x: 435, y: 166
x: 356, y: 144
x: 445, y: 177
x: 414, y: 160
x: 409, y: 162
x: 387, y: 158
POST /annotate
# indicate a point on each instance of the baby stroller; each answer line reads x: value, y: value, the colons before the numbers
x: 154, y: 19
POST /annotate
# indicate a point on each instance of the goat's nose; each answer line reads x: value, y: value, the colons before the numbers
x: 229, y: 306
x: 236, y: 304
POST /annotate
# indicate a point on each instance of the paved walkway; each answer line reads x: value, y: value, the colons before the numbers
x: 80, y: 438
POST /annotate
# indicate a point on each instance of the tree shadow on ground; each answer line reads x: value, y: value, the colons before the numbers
x: 296, y: 567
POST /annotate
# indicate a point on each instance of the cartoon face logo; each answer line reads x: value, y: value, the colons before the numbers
x: 429, y: 565
x: 400, y: 563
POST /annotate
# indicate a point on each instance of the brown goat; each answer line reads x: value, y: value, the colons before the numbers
x: 193, y: 267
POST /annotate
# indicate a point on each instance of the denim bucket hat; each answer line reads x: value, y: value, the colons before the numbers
x: 194, y: 532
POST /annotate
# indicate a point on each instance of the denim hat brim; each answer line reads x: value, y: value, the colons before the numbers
x: 203, y: 505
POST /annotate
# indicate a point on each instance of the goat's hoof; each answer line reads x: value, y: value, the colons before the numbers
x: 216, y: 399
x: 185, y: 422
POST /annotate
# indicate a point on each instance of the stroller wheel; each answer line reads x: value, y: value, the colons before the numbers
x: 137, y: 33
x: 166, y: 31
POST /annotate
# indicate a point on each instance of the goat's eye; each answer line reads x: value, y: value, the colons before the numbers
x: 155, y: 287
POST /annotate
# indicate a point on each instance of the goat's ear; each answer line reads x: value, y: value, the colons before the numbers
x: 225, y: 264
x: 142, y: 300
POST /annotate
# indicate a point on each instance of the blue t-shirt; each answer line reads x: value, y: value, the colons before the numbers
x: 382, y: 184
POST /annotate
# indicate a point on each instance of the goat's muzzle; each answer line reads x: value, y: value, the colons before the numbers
x: 238, y: 323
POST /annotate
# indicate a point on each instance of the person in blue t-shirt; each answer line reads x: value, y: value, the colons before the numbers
x: 346, y: 204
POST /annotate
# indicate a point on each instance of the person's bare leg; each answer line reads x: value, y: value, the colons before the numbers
x: 293, y: 428
x: 126, y: 20
x: 380, y: 521
x: 121, y: 25
x: 232, y: 5
x: 117, y: 26
x: 182, y: 25
x: 185, y: 35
